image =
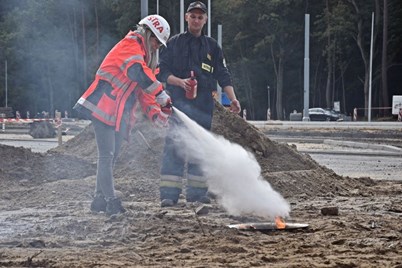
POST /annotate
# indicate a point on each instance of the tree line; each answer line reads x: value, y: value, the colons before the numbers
x: 54, y: 47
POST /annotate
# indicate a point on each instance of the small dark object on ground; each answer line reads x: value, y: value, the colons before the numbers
x: 202, y: 210
x: 330, y: 211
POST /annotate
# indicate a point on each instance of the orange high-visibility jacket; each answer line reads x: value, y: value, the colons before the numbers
x: 108, y: 106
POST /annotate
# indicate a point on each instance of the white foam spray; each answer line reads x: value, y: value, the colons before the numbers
x: 233, y: 173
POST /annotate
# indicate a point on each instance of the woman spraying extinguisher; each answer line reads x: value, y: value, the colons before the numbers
x: 125, y: 79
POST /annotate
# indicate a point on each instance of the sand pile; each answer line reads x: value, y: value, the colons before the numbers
x: 288, y: 171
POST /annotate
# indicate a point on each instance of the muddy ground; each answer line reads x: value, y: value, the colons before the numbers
x: 45, y: 219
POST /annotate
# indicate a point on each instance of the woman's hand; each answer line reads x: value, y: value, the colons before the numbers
x: 163, y: 99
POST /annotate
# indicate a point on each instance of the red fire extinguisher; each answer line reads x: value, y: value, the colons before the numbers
x: 192, y: 93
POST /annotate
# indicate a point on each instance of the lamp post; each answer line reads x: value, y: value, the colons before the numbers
x: 269, y: 104
x: 144, y: 8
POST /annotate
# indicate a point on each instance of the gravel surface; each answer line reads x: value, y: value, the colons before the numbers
x: 45, y: 219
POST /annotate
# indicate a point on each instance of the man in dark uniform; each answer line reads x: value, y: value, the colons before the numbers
x: 186, y: 52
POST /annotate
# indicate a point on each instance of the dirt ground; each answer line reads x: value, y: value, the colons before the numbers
x: 45, y: 219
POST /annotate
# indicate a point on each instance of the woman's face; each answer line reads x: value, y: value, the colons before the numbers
x: 196, y: 20
x: 155, y: 43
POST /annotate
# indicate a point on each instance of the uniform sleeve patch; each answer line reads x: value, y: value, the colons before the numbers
x: 206, y: 67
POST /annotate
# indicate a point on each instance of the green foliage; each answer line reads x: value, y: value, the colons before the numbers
x: 125, y: 20
x: 54, y: 47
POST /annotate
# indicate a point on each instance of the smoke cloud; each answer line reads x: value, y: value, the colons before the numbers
x: 233, y: 173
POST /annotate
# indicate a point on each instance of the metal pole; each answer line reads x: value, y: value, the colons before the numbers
x: 6, y: 84
x: 371, y: 66
x: 182, y: 16
x: 267, y: 97
x: 157, y: 12
x: 144, y: 8
x: 209, y: 18
x: 220, y: 44
x: 306, y: 116
x: 157, y: 7
x: 269, y: 103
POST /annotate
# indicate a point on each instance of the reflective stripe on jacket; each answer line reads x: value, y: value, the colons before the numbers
x: 112, y: 94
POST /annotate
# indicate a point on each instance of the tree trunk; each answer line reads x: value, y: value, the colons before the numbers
x: 333, y: 95
x: 278, y: 62
x: 279, y: 89
x: 97, y: 31
x: 72, y: 26
x: 364, y: 54
x: 316, y: 92
x: 250, y: 111
x: 48, y: 76
x: 359, y: 41
x: 342, y: 69
x: 249, y: 94
x: 329, y: 66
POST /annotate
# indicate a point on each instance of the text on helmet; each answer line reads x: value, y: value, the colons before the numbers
x: 156, y: 23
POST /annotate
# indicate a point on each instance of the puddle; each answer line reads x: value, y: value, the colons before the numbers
x: 19, y: 223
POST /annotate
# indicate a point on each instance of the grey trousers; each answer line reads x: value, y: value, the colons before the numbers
x: 109, y: 142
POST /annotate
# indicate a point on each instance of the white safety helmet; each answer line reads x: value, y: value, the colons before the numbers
x: 158, y: 25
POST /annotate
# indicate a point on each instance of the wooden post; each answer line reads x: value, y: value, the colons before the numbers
x: 58, y: 126
x: 3, y: 123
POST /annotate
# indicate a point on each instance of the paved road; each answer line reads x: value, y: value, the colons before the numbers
x: 376, y: 167
x: 379, y: 163
x: 26, y: 141
x: 355, y: 149
x: 327, y: 125
x: 354, y: 160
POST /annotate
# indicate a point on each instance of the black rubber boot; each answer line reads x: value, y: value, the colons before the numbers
x: 194, y: 194
x: 98, y: 204
x: 169, y: 196
x: 114, y: 206
x: 168, y: 203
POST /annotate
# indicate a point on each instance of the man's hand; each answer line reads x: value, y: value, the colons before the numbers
x: 161, y: 120
x: 235, y: 106
x: 179, y: 82
x: 163, y: 99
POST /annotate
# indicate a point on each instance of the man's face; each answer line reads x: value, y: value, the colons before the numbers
x: 196, y: 19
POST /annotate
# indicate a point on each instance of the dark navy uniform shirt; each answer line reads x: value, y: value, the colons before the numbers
x: 185, y: 53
